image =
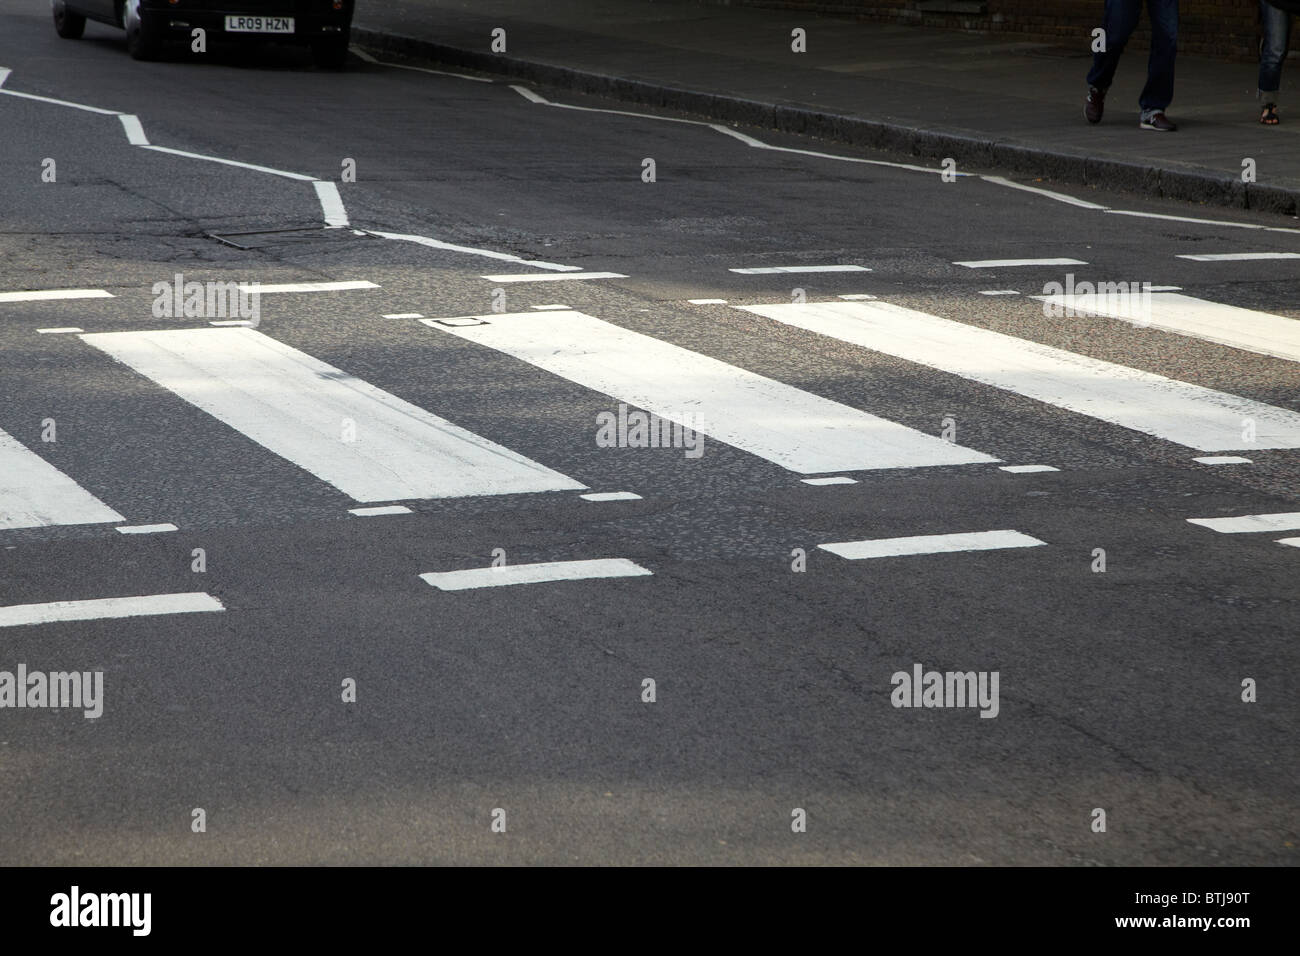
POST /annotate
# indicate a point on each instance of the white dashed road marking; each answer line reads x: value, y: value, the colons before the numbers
x: 931, y: 544
x: 103, y: 608
x: 1243, y: 524
x: 534, y: 574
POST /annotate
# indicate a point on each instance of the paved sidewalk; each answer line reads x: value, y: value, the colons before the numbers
x: 987, y: 101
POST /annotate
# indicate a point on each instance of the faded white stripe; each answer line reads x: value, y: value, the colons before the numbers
x: 931, y: 544
x: 530, y: 277
x: 104, y: 608
x: 534, y: 573
x: 1286, y: 521
x: 42, y: 295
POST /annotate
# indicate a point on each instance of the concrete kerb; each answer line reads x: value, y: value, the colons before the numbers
x: 968, y: 150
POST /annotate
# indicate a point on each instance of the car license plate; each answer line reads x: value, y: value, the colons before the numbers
x: 241, y: 24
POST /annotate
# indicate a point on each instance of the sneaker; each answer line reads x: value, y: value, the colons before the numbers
x: 1158, y: 121
x: 1095, y: 105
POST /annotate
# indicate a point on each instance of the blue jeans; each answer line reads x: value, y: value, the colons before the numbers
x: 1120, y: 21
x: 1277, y: 35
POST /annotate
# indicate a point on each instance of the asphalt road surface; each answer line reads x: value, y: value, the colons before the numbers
x: 321, y: 686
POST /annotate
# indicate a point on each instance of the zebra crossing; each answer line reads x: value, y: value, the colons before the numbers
x: 380, y: 450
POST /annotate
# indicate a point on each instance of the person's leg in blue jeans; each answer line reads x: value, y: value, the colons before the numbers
x: 1159, y: 90
x: 1120, y: 20
x: 1272, y: 51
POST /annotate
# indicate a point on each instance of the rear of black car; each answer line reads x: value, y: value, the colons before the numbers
x: 324, y: 25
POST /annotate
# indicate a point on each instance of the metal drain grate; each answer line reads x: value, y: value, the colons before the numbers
x: 272, y: 238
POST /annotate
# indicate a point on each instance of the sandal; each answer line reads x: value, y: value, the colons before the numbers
x: 1269, y: 117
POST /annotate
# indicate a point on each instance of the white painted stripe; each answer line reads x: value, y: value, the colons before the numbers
x: 404, y: 315
x: 838, y: 480
x: 134, y: 131
x: 611, y: 496
x: 857, y: 297
x: 235, y: 323
x: 331, y: 204
x: 232, y: 162
x: 43, y: 295
x: 529, y: 95
x: 297, y: 406
x: 416, y: 69
x: 1248, y: 523
x: 307, y: 286
x: 792, y: 428
x: 75, y: 106
x: 35, y: 494
x: 534, y: 573
x: 530, y: 277
x: 1059, y: 197
x: 104, y: 608
x: 737, y: 134
x: 1015, y: 263
x: 381, y: 510
x: 707, y: 301
x: 759, y: 144
x: 4, y: 74
x: 71, y: 328
x: 1290, y: 542
x: 931, y: 544
x: 1205, y: 222
x: 470, y: 250
x: 147, y: 528
x: 1223, y: 460
x: 1239, y: 328
x: 780, y: 270
x: 734, y: 134
x: 1027, y: 469
x: 999, y: 292
x: 550, y: 308
x: 1190, y: 415
x: 1241, y: 256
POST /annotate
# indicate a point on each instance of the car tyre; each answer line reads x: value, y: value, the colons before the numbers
x: 331, y: 52
x: 67, y: 24
x: 144, y: 33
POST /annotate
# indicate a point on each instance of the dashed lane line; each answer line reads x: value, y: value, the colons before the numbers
x: 49, y: 295
x: 1244, y: 524
x: 931, y: 544
x: 509, y: 574
x: 104, y: 608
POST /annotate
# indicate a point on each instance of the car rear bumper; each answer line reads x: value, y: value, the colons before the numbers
x: 314, y: 20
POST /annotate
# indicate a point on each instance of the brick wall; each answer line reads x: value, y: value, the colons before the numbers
x: 1227, y: 29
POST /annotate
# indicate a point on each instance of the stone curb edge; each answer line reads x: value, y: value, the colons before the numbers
x: 1061, y: 166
